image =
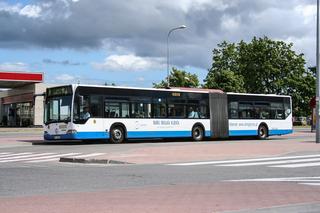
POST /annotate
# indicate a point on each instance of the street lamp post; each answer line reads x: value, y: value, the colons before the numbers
x: 168, y: 68
x: 318, y: 79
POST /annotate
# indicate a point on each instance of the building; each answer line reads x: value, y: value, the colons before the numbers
x: 21, y: 99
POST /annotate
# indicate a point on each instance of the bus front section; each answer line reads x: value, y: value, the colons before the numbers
x: 58, y: 108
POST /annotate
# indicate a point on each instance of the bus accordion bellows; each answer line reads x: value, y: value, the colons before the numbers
x: 84, y: 112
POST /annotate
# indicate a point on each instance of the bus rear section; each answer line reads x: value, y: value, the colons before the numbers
x: 259, y: 115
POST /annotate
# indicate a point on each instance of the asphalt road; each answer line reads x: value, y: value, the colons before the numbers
x: 65, y: 187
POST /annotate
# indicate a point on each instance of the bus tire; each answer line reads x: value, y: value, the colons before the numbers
x: 262, y: 132
x: 197, y: 133
x: 117, y: 134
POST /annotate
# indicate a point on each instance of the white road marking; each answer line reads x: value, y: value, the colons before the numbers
x: 287, y: 179
x: 242, y: 161
x: 311, y: 184
x: 311, y: 181
x: 39, y: 158
x: 4, y: 153
x: 298, y: 165
x: 88, y: 155
x: 24, y: 156
x: 271, y: 162
x: 13, y: 155
x: 56, y: 159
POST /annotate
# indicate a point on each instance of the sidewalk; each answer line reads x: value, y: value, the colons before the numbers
x: 20, y: 129
x: 301, y: 141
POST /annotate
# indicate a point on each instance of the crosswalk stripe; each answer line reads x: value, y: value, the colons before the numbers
x: 271, y: 162
x: 17, y: 154
x: 298, y: 165
x: 39, y: 158
x: 4, y: 153
x: 50, y: 158
x: 242, y: 161
x: 75, y: 156
x: 285, y: 179
x: 24, y: 156
x: 88, y: 155
x: 311, y: 184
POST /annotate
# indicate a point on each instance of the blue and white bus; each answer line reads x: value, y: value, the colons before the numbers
x: 84, y: 112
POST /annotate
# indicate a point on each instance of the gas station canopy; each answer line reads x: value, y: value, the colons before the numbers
x: 18, y: 79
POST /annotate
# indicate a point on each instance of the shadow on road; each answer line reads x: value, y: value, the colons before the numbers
x: 146, y: 141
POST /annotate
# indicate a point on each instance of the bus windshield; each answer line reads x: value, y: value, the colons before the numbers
x: 58, y: 109
x: 58, y: 104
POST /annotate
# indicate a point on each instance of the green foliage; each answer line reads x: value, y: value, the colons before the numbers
x: 263, y: 66
x: 179, y: 78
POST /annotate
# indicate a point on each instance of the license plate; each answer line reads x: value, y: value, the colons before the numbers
x: 56, y: 137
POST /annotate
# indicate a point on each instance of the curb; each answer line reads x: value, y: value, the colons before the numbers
x: 91, y: 161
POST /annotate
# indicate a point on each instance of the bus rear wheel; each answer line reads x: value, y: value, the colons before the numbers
x: 262, y: 132
x: 197, y: 133
x: 117, y: 135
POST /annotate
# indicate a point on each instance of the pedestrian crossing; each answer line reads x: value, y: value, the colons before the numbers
x: 310, y: 181
x: 299, y: 161
x: 31, y: 157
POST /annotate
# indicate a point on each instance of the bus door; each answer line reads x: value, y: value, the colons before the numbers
x: 219, y: 122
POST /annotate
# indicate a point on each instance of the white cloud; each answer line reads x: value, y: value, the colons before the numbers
x: 15, y: 66
x: 187, y: 5
x: 65, y: 77
x: 229, y: 23
x: 31, y: 11
x: 141, y: 79
x: 308, y: 12
x: 129, y: 62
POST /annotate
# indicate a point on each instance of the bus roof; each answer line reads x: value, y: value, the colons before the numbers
x: 178, y: 89
x: 172, y: 89
x: 252, y: 94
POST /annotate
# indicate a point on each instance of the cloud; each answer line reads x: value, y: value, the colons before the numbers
x: 15, y: 66
x: 32, y: 11
x: 64, y: 62
x: 140, y: 27
x: 129, y: 63
x: 65, y: 77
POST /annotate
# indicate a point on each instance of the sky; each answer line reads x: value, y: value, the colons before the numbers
x: 124, y: 41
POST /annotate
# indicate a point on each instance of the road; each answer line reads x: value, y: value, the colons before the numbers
x: 30, y: 181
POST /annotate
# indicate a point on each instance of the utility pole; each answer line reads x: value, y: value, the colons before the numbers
x: 318, y: 80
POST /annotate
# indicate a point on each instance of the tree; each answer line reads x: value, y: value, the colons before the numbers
x: 179, y: 78
x: 262, y: 66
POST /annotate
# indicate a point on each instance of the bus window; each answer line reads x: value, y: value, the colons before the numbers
x: 96, y: 106
x: 125, y: 111
x: 277, y: 111
x: 246, y: 110
x: 287, y: 107
x: 262, y: 110
x: 159, y: 108
x: 140, y: 110
x: 176, y: 111
x: 233, y: 110
x: 112, y: 109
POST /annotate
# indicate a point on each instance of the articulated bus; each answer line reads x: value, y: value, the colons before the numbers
x: 85, y: 112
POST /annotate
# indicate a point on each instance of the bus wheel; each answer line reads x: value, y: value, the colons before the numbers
x: 117, y: 134
x: 197, y: 133
x: 262, y: 132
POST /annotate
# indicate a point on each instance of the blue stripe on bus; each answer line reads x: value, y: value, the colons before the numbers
x: 255, y: 132
x: 243, y: 132
x: 280, y: 131
x: 132, y: 134
x: 78, y: 136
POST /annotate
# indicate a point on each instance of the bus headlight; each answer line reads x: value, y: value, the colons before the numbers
x: 72, y: 131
